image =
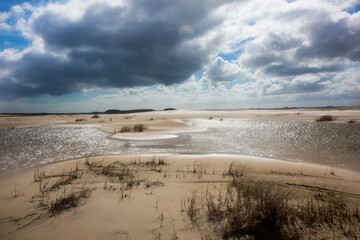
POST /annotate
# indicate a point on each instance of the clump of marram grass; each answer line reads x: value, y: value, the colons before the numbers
x: 236, y: 170
x: 252, y: 208
x: 39, y: 176
x: 63, y: 181
x: 67, y: 201
x: 326, y: 118
x: 61, y: 192
x: 351, y: 121
x: 262, y: 209
x: 47, y: 201
x: 135, y: 129
x: 126, y: 173
x: 80, y: 120
x: 46, y: 207
x: 95, y: 116
x: 192, y: 207
x: 125, y: 129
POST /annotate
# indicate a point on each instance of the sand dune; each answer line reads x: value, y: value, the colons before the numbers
x: 153, y: 207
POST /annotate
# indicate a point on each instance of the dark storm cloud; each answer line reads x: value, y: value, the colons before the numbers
x: 329, y: 39
x: 331, y: 44
x: 135, y: 45
x: 281, y: 70
x: 143, y: 43
x: 282, y: 42
x: 291, y: 88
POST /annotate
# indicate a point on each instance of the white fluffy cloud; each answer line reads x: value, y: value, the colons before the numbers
x: 276, y: 48
x: 220, y: 70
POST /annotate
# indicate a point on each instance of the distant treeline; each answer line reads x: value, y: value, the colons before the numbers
x: 110, y: 111
x: 288, y: 108
x: 116, y: 111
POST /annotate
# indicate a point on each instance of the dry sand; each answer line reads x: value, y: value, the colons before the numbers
x: 153, y: 209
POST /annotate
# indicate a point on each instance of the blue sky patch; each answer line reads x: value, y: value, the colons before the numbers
x: 6, y: 5
x: 13, y: 41
x: 354, y: 9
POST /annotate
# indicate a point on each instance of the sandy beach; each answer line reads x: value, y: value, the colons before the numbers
x: 169, y: 196
x: 155, y: 207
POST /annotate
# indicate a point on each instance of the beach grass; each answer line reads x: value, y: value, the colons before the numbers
x: 137, y: 128
x: 252, y: 208
x: 326, y: 118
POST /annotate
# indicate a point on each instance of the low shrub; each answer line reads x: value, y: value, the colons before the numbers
x: 325, y: 118
x: 136, y: 128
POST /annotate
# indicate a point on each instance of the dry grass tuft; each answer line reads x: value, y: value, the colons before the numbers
x: 80, y: 120
x: 67, y: 201
x: 192, y: 207
x: 61, y: 192
x: 253, y: 208
x: 326, y: 118
x: 135, y: 129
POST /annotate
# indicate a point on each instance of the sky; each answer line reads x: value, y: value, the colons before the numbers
x: 94, y: 55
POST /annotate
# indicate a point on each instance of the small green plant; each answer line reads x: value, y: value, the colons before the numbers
x: 95, y: 116
x: 351, y: 121
x: 80, y: 120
